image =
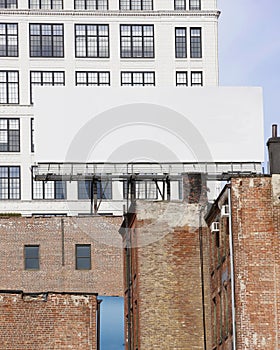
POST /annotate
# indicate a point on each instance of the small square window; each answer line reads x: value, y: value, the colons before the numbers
x: 83, y: 257
x: 31, y: 257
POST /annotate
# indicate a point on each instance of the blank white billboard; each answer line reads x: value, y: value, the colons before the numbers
x: 91, y: 124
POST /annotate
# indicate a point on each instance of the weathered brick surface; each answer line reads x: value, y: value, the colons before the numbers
x: 220, y: 270
x: 256, y: 219
x: 166, y: 277
x: 57, y: 238
x: 52, y: 322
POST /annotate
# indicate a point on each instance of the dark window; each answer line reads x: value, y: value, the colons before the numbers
x: 217, y: 239
x: 91, y: 4
x: 31, y: 257
x: 104, y: 189
x: 8, y: 40
x: 92, y: 40
x: 9, y: 135
x: 83, y: 257
x: 93, y: 78
x: 181, y: 78
x: 195, y: 5
x: 143, y: 190
x: 138, y: 78
x: 46, y: 40
x: 196, y: 79
x: 46, y: 4
x: 9, y: 87
x: 214, y: 321
x: 9, y: 182
x: 180, y: 42
x: 49, y: 190
x: 179, y: 4
x: 8, y: 4
x: 226, y: 310
x: 32, y: 134
x: 39, y: 78
x: 136, y: 5
x: 137, y: 41
x: 196, y: 43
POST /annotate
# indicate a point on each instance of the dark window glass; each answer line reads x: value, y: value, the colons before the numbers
x: 46, y: 4
x: 9, y: 135
x: 9, y: 87
x: 180, y: 43
x: 91, y: 4
x: 39, y: 78
x: 83, y: 257
x: 32, y: 134
x: 137, y: 78
x: 8, y: 4
x: 137, y: 41
x: 9, y: 182
x: 181, y: 78
x: 93, y: 78
x: 195, y: 5
x: 31, y: 257
x: 46, y: 40
x: 8, y: 40
x: 144, y: 5
x: 196, y: 79
x: 143, y: 190
x: 92, y: 40
x: 180, y: 4
x: 49, y: 190
x: 196, y: 43
x: 104, y: 189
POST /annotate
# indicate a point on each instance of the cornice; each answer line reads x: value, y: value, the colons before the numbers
x: 12, y: 110
x: 109, y: 13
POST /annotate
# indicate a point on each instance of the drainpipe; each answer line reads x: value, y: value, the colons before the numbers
x: 129, y: 282
x: 99, y: 301
x: 202, y: 275
x: 232, y: 273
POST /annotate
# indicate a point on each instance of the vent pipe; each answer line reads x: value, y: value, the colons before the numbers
x: 274, y: 130
x: 273, y: 145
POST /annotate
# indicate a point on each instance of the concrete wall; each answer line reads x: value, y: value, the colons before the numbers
x: 53, y: 321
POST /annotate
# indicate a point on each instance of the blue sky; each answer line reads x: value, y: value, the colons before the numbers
x: 249, y: 50
x: 112, y: 323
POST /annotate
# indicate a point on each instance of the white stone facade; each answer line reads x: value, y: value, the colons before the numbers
x: 164, y: 64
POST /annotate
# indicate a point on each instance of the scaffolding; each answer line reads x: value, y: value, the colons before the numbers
x: 135, y: 174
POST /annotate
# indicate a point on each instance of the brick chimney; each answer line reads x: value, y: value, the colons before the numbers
x: 195, y: 188
x: 273, y: 145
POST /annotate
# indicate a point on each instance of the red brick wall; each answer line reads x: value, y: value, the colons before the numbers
x: 167, y: 285
x: 257, y: 263
x: 61, y: 321
x: 220, y: 269
x: 57, y: 254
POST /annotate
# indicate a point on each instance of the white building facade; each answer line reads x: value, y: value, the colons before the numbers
x: 161, y: 43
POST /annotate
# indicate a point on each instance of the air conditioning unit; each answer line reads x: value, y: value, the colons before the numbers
x: 215, y: 226
x: 225, y: 210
